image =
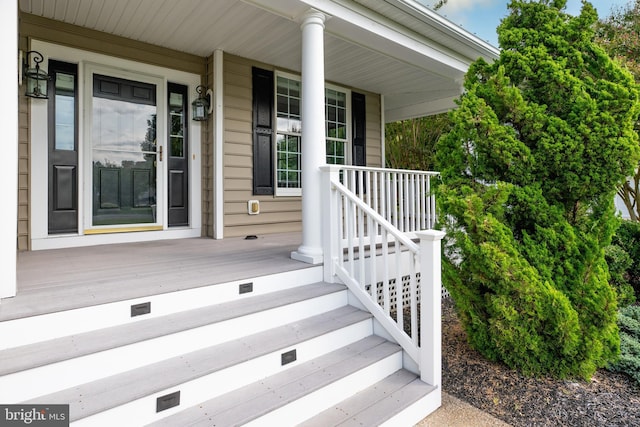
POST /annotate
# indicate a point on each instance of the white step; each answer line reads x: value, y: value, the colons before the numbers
x: 69, y: 361
x: 287, y: 398
x: 17, y: 328
x: 398, y: 400
x: 209, y: 372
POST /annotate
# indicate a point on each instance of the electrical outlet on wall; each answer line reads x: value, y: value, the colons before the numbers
x: 253, y: 207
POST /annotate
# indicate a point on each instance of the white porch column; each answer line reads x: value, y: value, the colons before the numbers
x: 313, y: 136
x: 9, y: 120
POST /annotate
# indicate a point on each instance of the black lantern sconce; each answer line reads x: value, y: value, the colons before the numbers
x: 202, y: 106
x: 36, y: 79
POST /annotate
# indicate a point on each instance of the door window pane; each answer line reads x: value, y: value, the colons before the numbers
x: 124, y: 159
x: 176, y: 113
x: 65, y: 107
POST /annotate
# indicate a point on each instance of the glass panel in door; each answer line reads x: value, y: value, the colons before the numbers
x: 123, y: 152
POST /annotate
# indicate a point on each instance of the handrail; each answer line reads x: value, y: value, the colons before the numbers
x: 373, y: 169
x: 400, y: 236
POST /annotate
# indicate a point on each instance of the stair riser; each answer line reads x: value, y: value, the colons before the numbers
x: 207, y: 387
x: 416, y: 412
x: 58, y: 376
x: 324, y: 398
x: 34, y: 329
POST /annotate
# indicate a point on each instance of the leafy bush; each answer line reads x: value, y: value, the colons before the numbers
x: 627, y: 238
x: 629, y: 361
x: 619, y: 263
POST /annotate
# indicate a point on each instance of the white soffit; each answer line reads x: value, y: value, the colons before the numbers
x: 389, y: 47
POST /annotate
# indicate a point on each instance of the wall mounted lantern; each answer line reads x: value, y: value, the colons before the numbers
x: 36, y: 79
x: 202, y: 107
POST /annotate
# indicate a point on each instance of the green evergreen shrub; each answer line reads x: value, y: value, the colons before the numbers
x: 629, y: 361
x: 619, y: 262
x: 539, y: 142
x: 627, y: 238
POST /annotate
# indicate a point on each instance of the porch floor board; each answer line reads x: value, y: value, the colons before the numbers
x: 62, y: 279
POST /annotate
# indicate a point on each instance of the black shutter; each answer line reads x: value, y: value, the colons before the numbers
x: 262, y: 131
x: 359, y: 137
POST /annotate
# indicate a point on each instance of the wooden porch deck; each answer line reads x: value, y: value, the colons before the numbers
x: 61, y: 279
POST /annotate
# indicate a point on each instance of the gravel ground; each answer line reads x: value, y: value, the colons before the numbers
x: 609, y: 399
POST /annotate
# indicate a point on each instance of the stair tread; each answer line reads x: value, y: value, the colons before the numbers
x: 96, y: 396
x: 374, y: 404
x: 46, y: 352
x: 250, y: 402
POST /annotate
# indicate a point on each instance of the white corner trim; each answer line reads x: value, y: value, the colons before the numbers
x: 218, y: 144
x: 9, y: 120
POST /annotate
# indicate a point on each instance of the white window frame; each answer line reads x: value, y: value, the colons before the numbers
x: 285, y: 191
x: 289, y: 192
x: 348, y: 137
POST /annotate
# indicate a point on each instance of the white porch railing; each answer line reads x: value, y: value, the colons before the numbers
x: 366, y: 251
x: 402, y: 197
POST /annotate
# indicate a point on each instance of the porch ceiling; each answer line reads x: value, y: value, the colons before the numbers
x: 398, y: 48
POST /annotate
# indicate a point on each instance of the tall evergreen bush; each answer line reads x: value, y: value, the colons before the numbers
x: 540, y: 141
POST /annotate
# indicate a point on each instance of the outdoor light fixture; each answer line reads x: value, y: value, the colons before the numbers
x: 36, y: 79
x: 201, y: 107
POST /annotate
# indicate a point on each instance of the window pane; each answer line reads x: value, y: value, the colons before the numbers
x: 65, y: 107
x: 175, y: 102
x: 335, y: 152
x: 288, y: 161
x: 177, y: 124
x: 124, y: 170
x: 332, y: 114
x: 294, y: 88
x: 335, y: 106
x: 177, y: 146
x: 294, y: 107
x: 341, y: 132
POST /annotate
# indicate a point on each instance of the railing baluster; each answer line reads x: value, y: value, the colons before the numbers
x: 351, y: 181
x: 399, y: 286
x: 422, y: 195
x: 388, y: 195
x: 385, y: 272
x: 373, y: 279
x: 376, y: 197
x: 361, y: 254
x: 413, y: 286
x: 350, y: 236
x: 366, y: 187
x: 402, y: 193
x: 394, y: 200
x: 427, y: 203
x: 432, y: 200
x: 341, y: 215
x: 412, y: 203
